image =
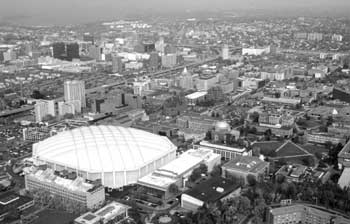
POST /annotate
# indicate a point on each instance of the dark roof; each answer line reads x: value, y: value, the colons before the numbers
x: 345, y: 152
x: 271, y: 145
x: 5, y: 201
x: 290, y: 149
x: 206, y: 191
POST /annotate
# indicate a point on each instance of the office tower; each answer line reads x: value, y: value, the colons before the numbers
x: 66, y: 108
x: 160, y: 45
x: 75, y: 91
x: 96, y: 52
x: 154, y: 61
x: 169, y: 60
x: 117, y: 64
x: 148, y: 47
x: 170, y: 49
x: 43, y: 108
x: 89, y: 38
x: 186, y: 80
x: 59, y: 50
x: 72, y: 51
x: 225, y: 52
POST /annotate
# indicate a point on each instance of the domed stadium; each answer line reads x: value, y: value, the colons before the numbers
x: 118, y: 156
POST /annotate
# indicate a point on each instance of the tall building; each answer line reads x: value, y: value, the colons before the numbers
x: 43, y: 108
x: 315, y: 36
x: 72, y: 51
x: 89, y: 38
x: 117, y: 64
x: 169, y: 60
x: 160, y: 45
x: 186, y: 80
x: 154, y: 61
x: 96, y: 52
x: 225, y: 52
x: 66, y: 108
x: 75, y: 90
x: 59, y: 50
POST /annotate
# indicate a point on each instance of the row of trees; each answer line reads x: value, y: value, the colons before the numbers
x: 44, y: 198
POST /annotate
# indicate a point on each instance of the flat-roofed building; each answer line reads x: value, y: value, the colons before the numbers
x: 242, y: 166
x: 196, y: 97
x: 10, y: 201
x: 344, y: 156
x: 177, y: 172
x: 90, y: 195
x: 209, y: 191
x: 226, y: 152
x: 282, y: 101
x: 299, y: 213
x: 113, y: 212
x: 323, y: 137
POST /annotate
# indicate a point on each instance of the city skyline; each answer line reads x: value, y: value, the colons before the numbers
x: 41, y: 12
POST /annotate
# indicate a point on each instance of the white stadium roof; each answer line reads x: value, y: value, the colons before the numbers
x: 103, y: 149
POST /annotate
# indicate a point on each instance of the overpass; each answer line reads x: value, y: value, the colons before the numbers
x: 7, y: 113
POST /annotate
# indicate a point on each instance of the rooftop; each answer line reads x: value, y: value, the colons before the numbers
x: 196, y: 95
x: 212, y: 189
x: 10, y: 200
x: 49, y: 176
x: 246, y: 164
x: 345, y: 152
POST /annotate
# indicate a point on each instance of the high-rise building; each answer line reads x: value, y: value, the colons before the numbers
x: 186, y: 80
x: 169, y: 60
x: 43, y: 108
x: 59, y: 50
x: 75, y: 91
x: 160, y: 45
x: 225, y: 52
x: 89, y: 38
x: 66, y: 108
x: 96, y: 52
x: 117, y: 64
x: 315, y: 36
x: 72, y: 51
x: 154, y: 61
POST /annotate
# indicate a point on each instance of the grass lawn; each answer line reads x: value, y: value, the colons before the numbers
x: 54, y: 217
x: 290, y: 149
x: 311, y: 148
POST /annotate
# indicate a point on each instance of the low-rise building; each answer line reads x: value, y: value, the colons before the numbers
x: 242, y: 166
x: 209, y: 191
x: 177, y: 172
x: 226, y: 152
x: 299, y: 213
x: 90, y: 195
x: 10, y: 201
x: 322, y: 138
x: 113, y: 212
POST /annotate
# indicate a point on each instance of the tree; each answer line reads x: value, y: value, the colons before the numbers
x: 48, y: 117
x: 254, y: 117
x: 196, y: 174
x: 37, y: 95
x: 251, y: 180
x: 203, y: 168
x: 216, y: 171
x: 173, y: 189
x: 68, y: 116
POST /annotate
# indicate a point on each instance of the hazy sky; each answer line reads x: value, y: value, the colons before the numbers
x: 66, y: 11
